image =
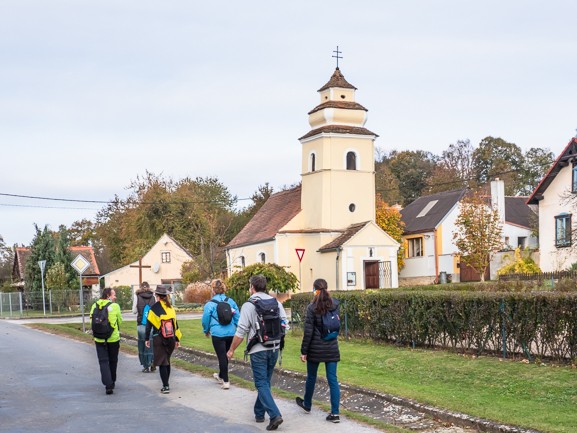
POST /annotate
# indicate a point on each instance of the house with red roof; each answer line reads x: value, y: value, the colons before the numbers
x: 89, y: 277
x: 325, y: 228
x: 556, y: 197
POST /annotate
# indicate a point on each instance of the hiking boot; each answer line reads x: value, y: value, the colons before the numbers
x: 333, y: 418
x: 225, y: 385
x: 165, y: 390
x: 217, y: 377
x: 274, y: 423
x: 109, y: 391
x: 301, y: 403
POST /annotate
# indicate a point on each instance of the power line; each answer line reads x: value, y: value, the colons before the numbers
x: 46, y: 207
x: 32, y: 197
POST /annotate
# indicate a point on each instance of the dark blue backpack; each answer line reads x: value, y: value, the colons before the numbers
x: 330, y: 324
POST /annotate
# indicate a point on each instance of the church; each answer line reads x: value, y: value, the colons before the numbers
x: 325, y: 227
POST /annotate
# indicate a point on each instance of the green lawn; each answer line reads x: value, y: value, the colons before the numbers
x: 543, y: 397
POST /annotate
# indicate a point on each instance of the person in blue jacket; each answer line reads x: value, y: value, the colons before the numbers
x: 221, y: 334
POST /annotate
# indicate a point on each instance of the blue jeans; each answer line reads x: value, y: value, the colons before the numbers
x: 262, y: 364
x: 331, y: 370
x: 144, y: 353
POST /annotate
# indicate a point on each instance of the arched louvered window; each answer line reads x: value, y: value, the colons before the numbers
x: 351, y: 161
x: 313, y: 162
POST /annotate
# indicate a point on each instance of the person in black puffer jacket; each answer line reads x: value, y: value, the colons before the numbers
x: 315, y: 349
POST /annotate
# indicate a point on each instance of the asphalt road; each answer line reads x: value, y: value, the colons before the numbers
x: 51, y: 384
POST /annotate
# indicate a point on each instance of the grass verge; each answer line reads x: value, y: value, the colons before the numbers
x: 538, y: 396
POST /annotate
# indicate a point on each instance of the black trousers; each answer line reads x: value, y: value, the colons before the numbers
x: 221, y: 346
x: 108, y: 359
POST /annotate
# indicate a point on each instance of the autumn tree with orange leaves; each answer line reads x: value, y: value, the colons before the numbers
x: 389, y: 219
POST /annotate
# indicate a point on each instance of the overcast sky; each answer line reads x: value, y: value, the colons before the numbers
x: 95, y: 92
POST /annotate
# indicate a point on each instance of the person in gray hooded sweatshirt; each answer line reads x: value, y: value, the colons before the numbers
x: 143, y: 300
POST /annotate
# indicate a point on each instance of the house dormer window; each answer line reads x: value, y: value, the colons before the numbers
x: 563, y: 230
x: 351, y: 161
x: 574, y: 178
x: 165, y: 257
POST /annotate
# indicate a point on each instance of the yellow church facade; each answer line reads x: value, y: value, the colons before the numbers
x: 325, y: 228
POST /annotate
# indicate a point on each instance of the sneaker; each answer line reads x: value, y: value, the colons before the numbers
x: 217, y: 377
x: 165, y: 390
x: 225, y: 385
x: 333, y: 418
x: 301, y: 403
x: 109, y: 391
x: 153, y: 368
x: 146, y: 370
x: 274, y: 423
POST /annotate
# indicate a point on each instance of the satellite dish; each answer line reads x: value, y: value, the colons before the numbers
x: 155, y: 268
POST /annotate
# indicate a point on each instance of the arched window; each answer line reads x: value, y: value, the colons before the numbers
x: 351, y: 161
x: 313, y: 161
x: 262, y: 257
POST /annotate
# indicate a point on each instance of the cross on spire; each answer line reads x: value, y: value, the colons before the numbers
x: 337, y: 52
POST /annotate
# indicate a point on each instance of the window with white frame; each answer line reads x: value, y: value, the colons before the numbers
x: 415, y: 247
x: 165, y: 257
x: 563, y: 230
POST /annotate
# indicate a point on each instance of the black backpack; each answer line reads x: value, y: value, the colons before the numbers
x: 269, y: 329
x: 101, y: 327
x: 330, y: 324
x: 223, y: 311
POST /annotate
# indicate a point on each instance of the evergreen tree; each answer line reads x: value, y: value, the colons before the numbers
x: 42, y: 248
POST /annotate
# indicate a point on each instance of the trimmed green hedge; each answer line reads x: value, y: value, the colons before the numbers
x: 533, y: 324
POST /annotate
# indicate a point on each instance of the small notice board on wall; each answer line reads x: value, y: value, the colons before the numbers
x: 351, y: 278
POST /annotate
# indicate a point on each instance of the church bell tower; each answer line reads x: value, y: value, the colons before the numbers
x: 338, y: 165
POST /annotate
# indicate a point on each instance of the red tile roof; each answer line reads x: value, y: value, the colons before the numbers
x: 277, y: 211
x: 22, y: 255
x: 338, y: 129
x: 348, y: 105
x: 569, y: 153
x: 337, y: 80
x: 348, y: 233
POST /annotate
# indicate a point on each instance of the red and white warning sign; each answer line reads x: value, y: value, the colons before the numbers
x: 300, y: 253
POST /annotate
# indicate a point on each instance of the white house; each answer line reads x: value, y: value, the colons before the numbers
x: 430, y: 252
x: 556, y: 197
x: 160, y: 265
x: 326, y: 227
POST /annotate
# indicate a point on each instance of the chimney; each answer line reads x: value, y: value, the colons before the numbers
x: 498, y: 197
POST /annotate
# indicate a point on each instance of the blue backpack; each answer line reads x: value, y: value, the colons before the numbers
x: 330, y: 324
x: 145, y: 314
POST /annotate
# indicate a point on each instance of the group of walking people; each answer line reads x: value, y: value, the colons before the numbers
x: 227, y: 326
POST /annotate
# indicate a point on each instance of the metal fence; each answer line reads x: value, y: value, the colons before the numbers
x: 66, y: 302
x: 538, y: 276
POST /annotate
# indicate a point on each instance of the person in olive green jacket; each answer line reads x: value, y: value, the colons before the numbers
x: 107, y: 349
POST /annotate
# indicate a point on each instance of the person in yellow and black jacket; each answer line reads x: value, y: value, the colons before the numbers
x: 166, y: 335
x: 107, y: 348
